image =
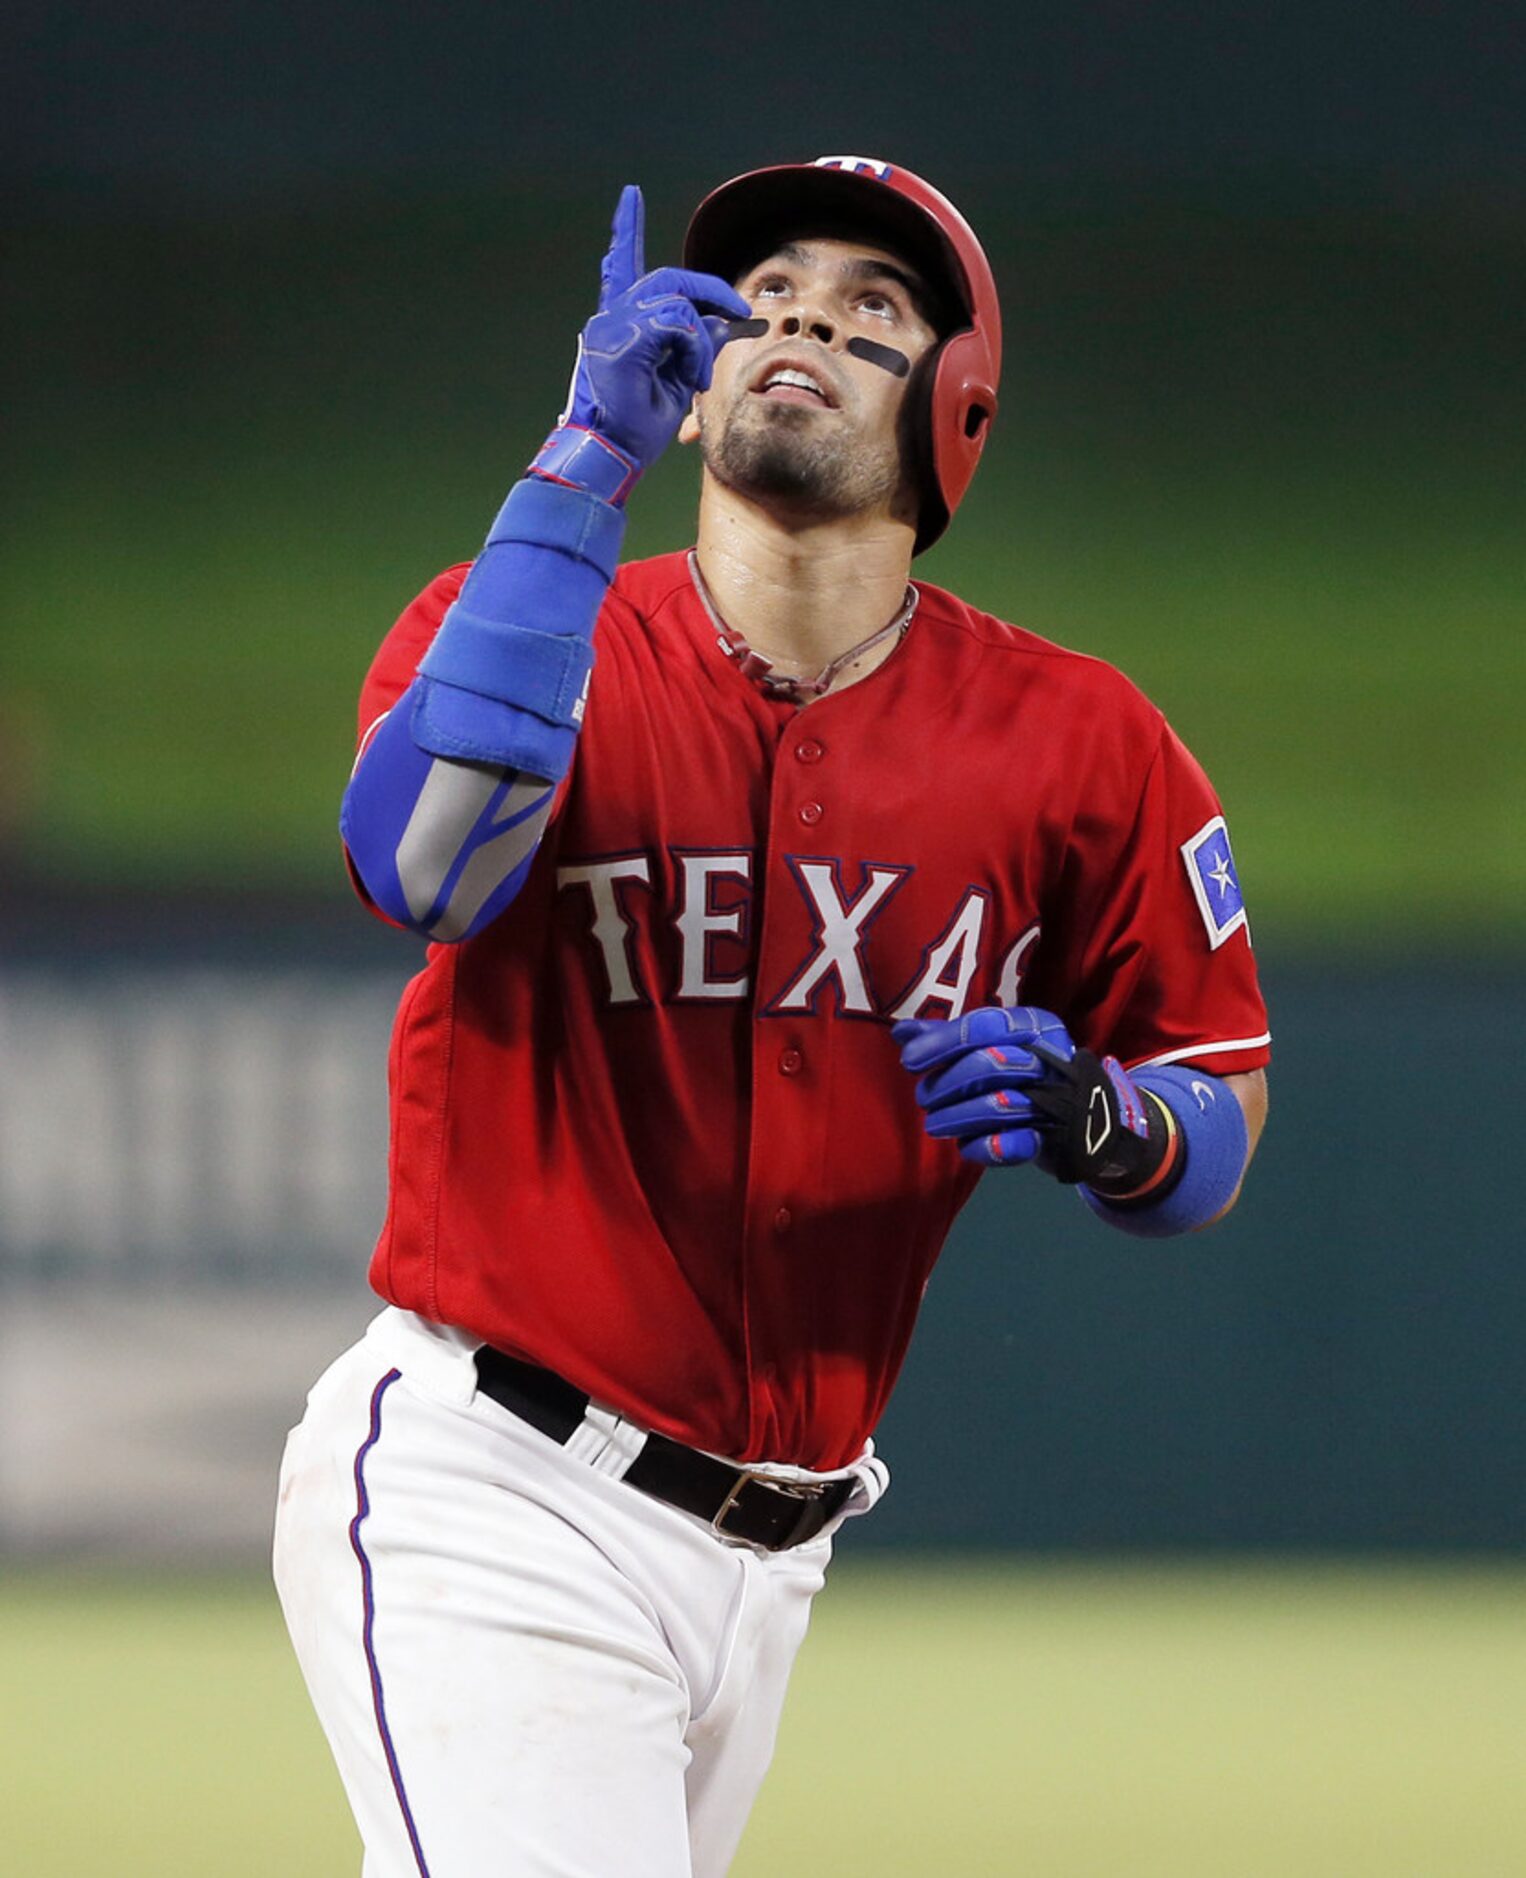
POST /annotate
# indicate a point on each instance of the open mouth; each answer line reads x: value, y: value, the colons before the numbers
x: 792, y: 384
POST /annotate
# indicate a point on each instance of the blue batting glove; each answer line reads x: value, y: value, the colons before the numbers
x: 650, y: 346
x: 976, y: 1075
x: 1011, y: 1087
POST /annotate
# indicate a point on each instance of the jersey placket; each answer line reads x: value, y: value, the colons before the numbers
x: 789, y: 1064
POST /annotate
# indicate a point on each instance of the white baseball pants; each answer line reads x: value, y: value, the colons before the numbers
x: 524, y: 1667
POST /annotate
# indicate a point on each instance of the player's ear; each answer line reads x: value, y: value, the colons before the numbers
x: 688, y: 430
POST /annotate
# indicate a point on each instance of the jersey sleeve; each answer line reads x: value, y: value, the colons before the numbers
x: 1164, y: 971
x: 397, y: 658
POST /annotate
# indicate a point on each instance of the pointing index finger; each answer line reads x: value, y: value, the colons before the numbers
x: 625, y: 262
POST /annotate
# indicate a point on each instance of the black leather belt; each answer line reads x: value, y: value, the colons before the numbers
x: 739, y: 1503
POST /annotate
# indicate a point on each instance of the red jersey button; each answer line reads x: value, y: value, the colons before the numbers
x: 783, y: 1219
x: 791, y: 1062
x: 810, y: 751
x: 810, y: 813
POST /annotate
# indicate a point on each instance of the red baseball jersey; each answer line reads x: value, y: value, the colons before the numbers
x: 649, y: 1129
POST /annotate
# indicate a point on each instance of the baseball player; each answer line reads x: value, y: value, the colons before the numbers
x: 772, y: 897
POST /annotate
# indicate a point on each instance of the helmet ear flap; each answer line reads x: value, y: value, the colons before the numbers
x: 919, y: 446
x: 947, y: 412
x: 960, y: 405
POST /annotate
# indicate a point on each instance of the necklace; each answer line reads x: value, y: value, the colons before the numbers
x: 760, y: 668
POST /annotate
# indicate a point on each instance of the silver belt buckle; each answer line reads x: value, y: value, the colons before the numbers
x: 790, y: 1489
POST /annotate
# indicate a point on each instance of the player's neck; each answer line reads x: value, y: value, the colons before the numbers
x: 803, y: 596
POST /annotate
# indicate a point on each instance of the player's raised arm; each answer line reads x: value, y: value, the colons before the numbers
x: 452, y: 794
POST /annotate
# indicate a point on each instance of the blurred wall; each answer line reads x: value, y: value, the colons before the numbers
x: 195, y: 1172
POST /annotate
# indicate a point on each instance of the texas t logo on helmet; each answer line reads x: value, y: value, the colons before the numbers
x: 953, y: 399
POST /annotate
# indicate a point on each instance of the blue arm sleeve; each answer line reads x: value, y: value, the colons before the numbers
x: 441, y: 845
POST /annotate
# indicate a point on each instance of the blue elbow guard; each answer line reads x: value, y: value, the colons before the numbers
x: 1216, y: 1142
x: 493, y: 690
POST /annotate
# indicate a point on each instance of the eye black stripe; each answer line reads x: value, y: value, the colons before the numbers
x: 886, y: 357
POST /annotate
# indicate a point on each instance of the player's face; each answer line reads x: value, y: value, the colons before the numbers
x: 797, y: 419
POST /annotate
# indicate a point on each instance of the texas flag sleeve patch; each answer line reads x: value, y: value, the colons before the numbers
x: 1215, y: 884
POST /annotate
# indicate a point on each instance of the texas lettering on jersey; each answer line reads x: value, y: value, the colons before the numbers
x: 714, y: 908
x: 648, y: 1126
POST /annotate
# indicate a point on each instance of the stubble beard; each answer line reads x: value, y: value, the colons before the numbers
x: 783, y: 456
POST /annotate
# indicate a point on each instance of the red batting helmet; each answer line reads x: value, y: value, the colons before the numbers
x: 953, y: 395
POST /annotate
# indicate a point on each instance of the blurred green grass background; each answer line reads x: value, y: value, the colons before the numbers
x: 1267, y: 462
x: 1147, y: 1720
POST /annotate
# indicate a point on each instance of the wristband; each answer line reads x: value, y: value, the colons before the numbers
x: 1173, y: 1157
x: 580, y: 458
x: 1213, y: 1143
